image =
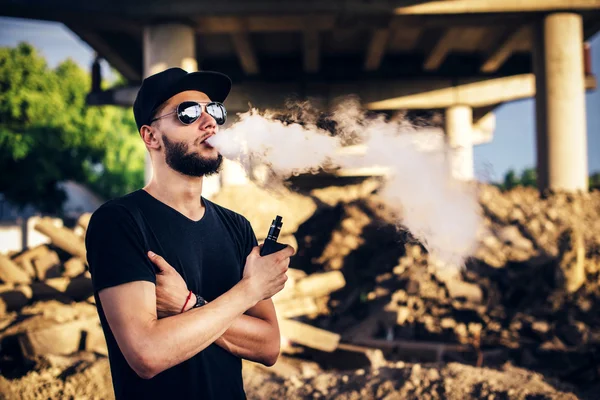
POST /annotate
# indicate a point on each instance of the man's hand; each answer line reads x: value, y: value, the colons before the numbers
x: 267, y: 275
x: 171, y: 289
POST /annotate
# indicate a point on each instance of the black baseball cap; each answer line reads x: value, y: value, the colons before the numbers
x: 160, y: 87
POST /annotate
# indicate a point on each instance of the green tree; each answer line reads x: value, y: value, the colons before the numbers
x: 594, y: 181
x: 48, y: 134
x: 529, y: 177
x: 510, y: 180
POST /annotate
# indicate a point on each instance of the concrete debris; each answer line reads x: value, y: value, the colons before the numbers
x: 364, y: 306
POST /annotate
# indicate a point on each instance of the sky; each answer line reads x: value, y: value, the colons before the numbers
x: 513, y: 146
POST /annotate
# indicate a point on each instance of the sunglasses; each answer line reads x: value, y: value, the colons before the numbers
x: 188, y: 112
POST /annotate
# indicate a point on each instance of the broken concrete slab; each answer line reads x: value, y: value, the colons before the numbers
x: 84, y: 220
x: 308, y: 335
x: 11, y: 272
x: 47, y: 266
x: 25, y: 259
x: 74, y: 267
x: 61, y: 339
x: 77, y: 289
x: 320, y: 284
x: 95, y: 340
x: 62, y: 237
x: 296, y: 307
x: 15, y: 297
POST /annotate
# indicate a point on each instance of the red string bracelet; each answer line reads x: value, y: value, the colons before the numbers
x: 186, y: 301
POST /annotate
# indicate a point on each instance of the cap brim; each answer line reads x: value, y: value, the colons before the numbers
x: 214, y: 84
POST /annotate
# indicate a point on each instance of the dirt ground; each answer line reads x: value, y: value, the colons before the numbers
x: 413, y: 381
x: 86, y: 376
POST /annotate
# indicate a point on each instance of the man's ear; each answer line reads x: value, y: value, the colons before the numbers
x: 149, y: 136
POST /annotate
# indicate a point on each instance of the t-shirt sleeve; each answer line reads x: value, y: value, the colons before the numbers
x: 116, y: 252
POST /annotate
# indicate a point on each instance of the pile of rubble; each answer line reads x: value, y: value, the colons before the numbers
x: 366, y: 312
x: 531, y: 293
x: 46, y: 300
x: 529, y: 296
x: 402, y: 380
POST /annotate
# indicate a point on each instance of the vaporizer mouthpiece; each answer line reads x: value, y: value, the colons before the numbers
x: 275, y: 228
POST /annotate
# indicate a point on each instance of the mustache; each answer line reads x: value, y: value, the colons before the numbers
x: 204, y: 137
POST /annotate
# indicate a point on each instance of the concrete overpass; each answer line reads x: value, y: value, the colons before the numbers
x: 462, y: 56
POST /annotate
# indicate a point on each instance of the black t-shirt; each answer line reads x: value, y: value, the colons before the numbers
x: 210, y: 255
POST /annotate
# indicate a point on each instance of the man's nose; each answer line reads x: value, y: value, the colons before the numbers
x: 208, y: 122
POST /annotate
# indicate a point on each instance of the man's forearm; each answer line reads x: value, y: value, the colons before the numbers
x: 248, y: 337
x: 174, y: 340
x: 251, y: 338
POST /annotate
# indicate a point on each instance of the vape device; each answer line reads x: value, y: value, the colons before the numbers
x: 270, y: 245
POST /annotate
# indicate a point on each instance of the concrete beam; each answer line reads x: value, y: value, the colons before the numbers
x: 477, y: 94
x: 112, y: 23
x: 245, y: 52
x: 264, y: 23
x: 96, y: 41
x: 185, y: 9
x: 267, y: 22
x: 399, y: 94
x: 441, y: 49
x: 404, y: 39
x: 483, y: 130
x: 376, y: 49
x: 311, y: 50
x: 469, y: 38
x: 495, y: 6
x: 505, y: 49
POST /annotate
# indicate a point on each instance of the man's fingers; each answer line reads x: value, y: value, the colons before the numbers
x: 160, y: 262
x: 288, y: 251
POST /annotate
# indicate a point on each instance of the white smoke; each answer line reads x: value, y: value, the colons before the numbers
x: 441, y: 212
x: 287, y: 149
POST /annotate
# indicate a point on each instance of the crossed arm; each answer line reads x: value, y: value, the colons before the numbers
x: 253, y: 336
x: 151, y: 344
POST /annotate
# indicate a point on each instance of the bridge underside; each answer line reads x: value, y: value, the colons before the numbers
x: 463, y: 57
x: 274, y: 41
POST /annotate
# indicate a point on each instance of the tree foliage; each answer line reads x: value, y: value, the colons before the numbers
x: 528, y: 178
x: 48, y: 134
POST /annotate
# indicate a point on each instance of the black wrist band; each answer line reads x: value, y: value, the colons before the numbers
x: 199, y: 301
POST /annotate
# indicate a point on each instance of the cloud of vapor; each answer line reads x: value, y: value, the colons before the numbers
x: 286, y: 149
x: 441, y: 212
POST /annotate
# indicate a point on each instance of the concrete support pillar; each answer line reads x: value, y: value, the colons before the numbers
x: 459, y: 132
x: 560, y: 103
x: 167, y: 46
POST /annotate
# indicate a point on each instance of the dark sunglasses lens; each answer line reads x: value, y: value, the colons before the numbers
x: 217, y: 111
x: 188, y: 112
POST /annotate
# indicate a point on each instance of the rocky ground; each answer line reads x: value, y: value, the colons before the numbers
x: 412, y: 381
x: 521, y: 321
x: 87, y: 376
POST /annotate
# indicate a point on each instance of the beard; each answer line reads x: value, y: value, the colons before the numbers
x: 190, y: 164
